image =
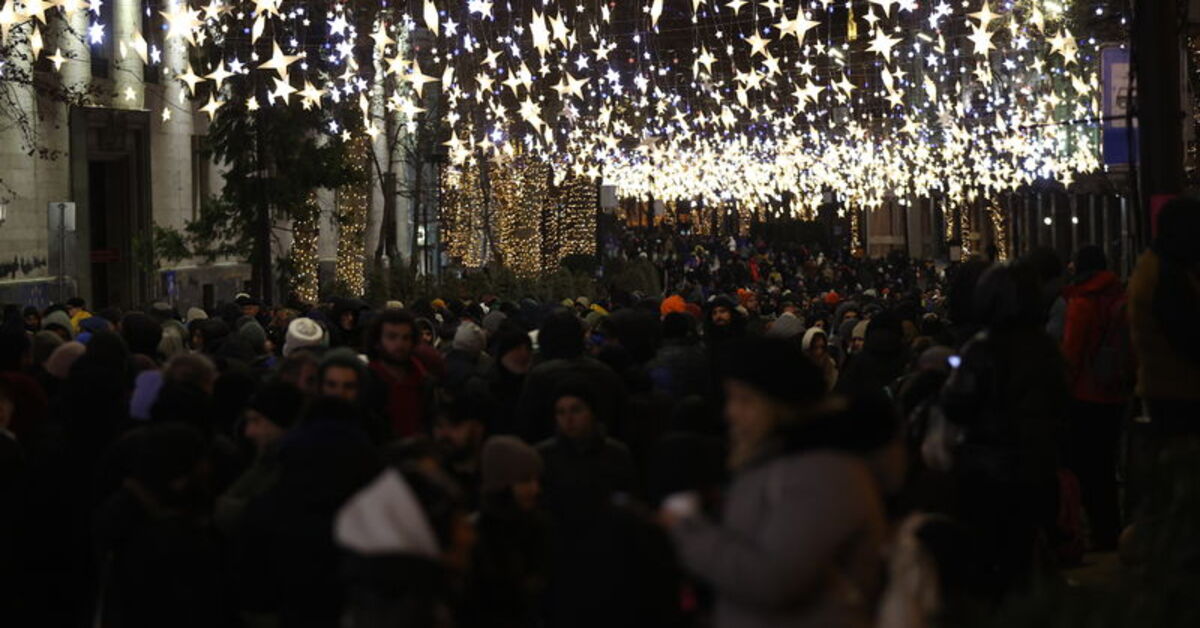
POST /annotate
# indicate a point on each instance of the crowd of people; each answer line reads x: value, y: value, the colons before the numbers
x: 784, y: 437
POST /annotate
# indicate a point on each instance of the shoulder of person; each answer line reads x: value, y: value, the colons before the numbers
x: 616, y: 447
x: 834, y: 470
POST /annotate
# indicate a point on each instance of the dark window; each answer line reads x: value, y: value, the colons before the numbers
x: 102, y: 51
x: 152, y: 30
x: 201, y: 158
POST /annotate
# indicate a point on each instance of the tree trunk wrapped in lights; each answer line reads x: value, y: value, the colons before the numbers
x: 520, y: 188
x: 352, y: 205
x: 306, y: 228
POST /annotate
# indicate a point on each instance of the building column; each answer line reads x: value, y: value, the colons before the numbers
x: 126, y: 66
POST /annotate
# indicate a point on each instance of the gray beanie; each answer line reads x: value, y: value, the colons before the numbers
x: 60, y: 318
x: 492, y: 322
x: 254, y: 333
x: 788, y: 325
x: 508, y: 460
x: 469, y: 338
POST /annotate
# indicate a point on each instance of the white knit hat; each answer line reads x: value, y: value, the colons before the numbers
x: 302, y: 332
x: 195, y: 314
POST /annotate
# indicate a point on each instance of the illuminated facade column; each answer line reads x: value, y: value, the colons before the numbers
x: 171, y: 139
x: 76, y: 71
x: 126, y: 64
x: 24, y: 232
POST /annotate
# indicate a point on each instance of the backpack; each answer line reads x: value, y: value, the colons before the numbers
x: 1111, y: 363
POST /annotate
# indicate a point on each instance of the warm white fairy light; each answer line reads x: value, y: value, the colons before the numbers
x: 305, y: 261
x: 968, y: 100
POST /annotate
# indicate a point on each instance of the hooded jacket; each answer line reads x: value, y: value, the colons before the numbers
x: 1088, y: 305
x: 391, y: 564
x: 1164, y: 372
x: 798, y: 546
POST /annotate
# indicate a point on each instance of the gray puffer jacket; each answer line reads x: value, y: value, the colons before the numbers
x: 800, y: 544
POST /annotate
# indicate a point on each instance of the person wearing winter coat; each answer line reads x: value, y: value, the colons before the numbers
x: 816, y: 346
x: 585, y: 473
x: 561, y: 349
x: 406, y: 544
x: 1164, y: 307
x: 1094, y: 314
x: 273, y: 410
x: 506, y: 376
x: 158, y: 554
x: 286, y: 560
x: 799, y: 543
x: 511, y: 563
x: 1008, y: 395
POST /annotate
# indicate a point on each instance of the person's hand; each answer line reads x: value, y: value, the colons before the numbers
x: 677, y: 507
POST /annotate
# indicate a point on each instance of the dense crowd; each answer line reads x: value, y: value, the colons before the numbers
x: 782, y: 438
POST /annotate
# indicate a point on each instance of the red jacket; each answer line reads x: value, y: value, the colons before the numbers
x: 1089, y: 305
x: 404, y: 400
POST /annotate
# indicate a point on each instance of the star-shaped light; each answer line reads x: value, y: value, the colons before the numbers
x: 531, y: 113
x: 410, y: 110
x: 130, y: 94
x: 485, y: 82
x: 706, y: 59
x: 166, y: 114
x: 981, y: 39
x: 190, y: 79
x: 481, y: 7
x: 338, y: 25
x: 758, y: 45
x: 984, y: 15
x: 182, y: 22
x: 419, y: 79
x: 540, y: 33
x: 735, y: 5
x: 278, y: 61
x: 218, y: 75
x: 283, y: 89
x: 883, y: 44
x: 95, y: 33
x: 8, y: 17
x: 267, y: 7
x: 71, y: 7
x: 211, y: 107
x: 561, y: 32
x: 311, y: 96
x: 35, y: 9
x: 57, y: 59
x: 213, y: 10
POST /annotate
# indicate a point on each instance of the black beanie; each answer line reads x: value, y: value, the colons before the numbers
x: 509, y: 337
x: 775, y: 367
x: 1090, y: 259
x: 280, y: 402
x: 141, y: 333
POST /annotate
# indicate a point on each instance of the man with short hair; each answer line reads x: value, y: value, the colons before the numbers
x: 399, y: 384
x: 341, y: 375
